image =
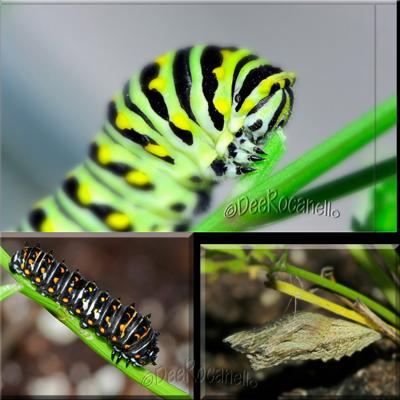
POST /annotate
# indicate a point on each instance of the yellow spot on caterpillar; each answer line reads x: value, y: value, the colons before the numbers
x: 219, y: 72
x: 122, y: 327
x: 78, y: 310
x: 38, y: 280
x: 118, y: 221
x: 266, y: 84
x: 137, y: 178
x: 158, y: 84
x: 248, y: 104
x: 226, y: 54
x: 104, y: 154
x: 181, y: 121
x: 264, y: 87
x: 161, y: 60
x: 157, y: 150
x: 50, y: 290
x: 70, y: 289
x: 90, y: 322
x: 47, y: 226
x: 42, y: 270
x: 102, y: 330
x: 114, y: 338
x: 122, y: 121
x: 222, y: 106
x: 65, y: 299
x: 27, y: 272
x: 127, y: 346
x: 107, y: 319
x: 55, y: 280
x: 83, y: 194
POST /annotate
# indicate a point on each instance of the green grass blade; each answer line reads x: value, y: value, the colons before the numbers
x: 377, y: 274
x: 142, y: 376
x: 339, y: 289
x: 352, y: 182
x: 304, y: 170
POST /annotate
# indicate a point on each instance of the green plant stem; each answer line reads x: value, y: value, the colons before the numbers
x: 304, y: 170
x: 8, y: 290
x: 343, y: 186
x: 142, y: 376
x: 338, y: 288
x: 352, y: 182
x: 377, y: 274
x: 275, y: 149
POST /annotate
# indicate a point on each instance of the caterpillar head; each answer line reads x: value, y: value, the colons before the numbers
x: 262, y: 105
x: 270, y: 113
x: 15, y: 262
x: 259, y: 107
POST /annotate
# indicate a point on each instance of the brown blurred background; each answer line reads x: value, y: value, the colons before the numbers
x: 40, y: 356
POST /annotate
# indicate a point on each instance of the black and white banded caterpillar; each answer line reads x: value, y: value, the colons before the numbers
x: 187, y: 120
x: 129, y: 332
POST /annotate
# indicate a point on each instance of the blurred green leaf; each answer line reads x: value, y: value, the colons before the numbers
x: 382, y: 209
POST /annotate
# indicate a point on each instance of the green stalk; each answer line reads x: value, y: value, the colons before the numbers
x: 8, y: 290
x: 352, y: 182
x: 343, y: 186
x: 307, y: 168
x: 142, y: 376
x: 275, y: 149
x: 338, y: 288
x: 377, y: 274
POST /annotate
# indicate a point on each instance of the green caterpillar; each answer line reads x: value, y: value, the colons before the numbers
x: 189, y: 119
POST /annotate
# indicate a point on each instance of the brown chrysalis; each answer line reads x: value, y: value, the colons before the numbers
x: 301, y: 336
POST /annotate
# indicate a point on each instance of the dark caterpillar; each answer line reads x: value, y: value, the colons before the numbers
x: 129, y: 332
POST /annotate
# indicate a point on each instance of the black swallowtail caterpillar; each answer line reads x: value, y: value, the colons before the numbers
x: 129, y: 332
x: 189, y: 119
